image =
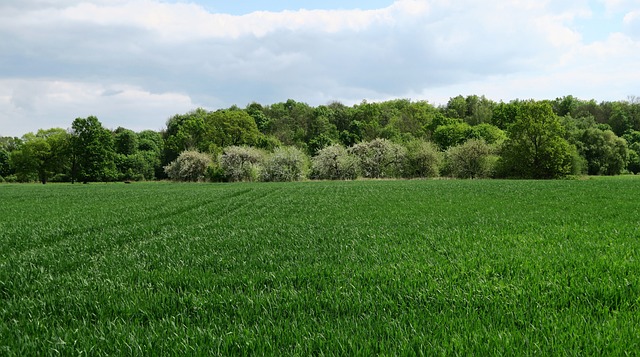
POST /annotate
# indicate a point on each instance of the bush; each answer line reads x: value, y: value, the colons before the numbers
x: 380, y: 158
x: 285, y: 164
x: 189, y: 166
x: 423, y: 159
x: 240, y: 163
x: 473, y: 159
x: 334, y: 163
x: 634, y: 162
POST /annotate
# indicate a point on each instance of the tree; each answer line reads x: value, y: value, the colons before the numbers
x: 184, y: 132
x: 256, y: 111
x: 565, y: 105
x: 423, y: 159
x: 42, y: 155
x: 189, y: 166
x: 92, y: 151
x: 452, y: 134
x: 230, y: 127
x: 504, y: 114
x: 633, y: 164
x: 5, y: 165
x: 606, y: 153
x: 240, y: 163
x: 125, y: 141
x: 286, y: 163
x: 334, y: 163
x: 380, y: 158
x: 151, y: 146
x: 489, y: 133
x: 456, y: 108
x: 535, y: 147
x: 473, y: 159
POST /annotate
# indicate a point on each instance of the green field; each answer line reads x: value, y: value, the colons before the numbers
x: 349, y: 268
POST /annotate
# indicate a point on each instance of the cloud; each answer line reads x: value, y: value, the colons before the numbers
x: 128, y: 60
x: 57, y: 104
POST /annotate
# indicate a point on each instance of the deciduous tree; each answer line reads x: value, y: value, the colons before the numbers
x: 535, y: 147
x: 92, y: 151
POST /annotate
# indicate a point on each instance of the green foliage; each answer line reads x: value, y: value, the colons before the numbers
x: 472, y: 109
x: 256, y: 111
x: 5, y: 165
x: 286, y: 163
x: 24, y: 165
x: 380, y: 158
x: 92, y: 151
x: 240, y: 163
x: 504, y: 114
x: 289, y: 122
x: 311, y: 129
x: 606, y: 153
x: 473, y: 159
x: 454, y: 134
x: 319, y: 142
x: 138, y: 166
x: 230, y: 127
x: 489, y: 133
x: 125, y: 141
x: 423, y: 159
x: 42, y: 155
x: 184, y: 132
x: 633, y: 163
x: 189, y: 166
x: 536, y: 147
x: 268, y: 142
x: 334, y: 163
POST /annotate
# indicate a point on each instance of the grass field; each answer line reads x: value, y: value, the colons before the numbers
x: 347, y: 268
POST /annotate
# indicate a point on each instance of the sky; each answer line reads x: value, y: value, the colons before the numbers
x: 136, y: 63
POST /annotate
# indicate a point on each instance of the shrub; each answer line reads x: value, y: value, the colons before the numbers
x: 423, y: 159
x: 380, y: 158
x: 285, y: 164
x: 473, y: 159
x: 189, y: 166
x: 240, y: 163
x: 334, y: 163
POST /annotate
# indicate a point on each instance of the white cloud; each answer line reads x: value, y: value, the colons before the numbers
x: 56, y: 103
x: 129, y: 60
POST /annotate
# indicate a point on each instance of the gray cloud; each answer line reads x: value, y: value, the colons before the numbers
x: 64, y: 59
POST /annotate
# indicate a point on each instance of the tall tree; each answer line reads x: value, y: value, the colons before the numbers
x: 184, y: 132
x: 42, y: 155
x: 93, y: 151
x: 606, y: 153
x: 230, y: 127
x: 535, y: 147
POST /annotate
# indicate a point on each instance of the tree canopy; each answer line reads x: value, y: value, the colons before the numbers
x: 394, y: 138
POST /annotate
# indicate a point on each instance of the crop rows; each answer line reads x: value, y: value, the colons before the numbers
x: 364, y: 267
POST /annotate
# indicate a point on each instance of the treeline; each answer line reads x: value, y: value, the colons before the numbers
x: 468, y: 137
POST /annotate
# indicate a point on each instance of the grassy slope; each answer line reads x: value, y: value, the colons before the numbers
x: 336, y: 267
